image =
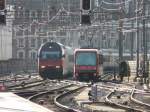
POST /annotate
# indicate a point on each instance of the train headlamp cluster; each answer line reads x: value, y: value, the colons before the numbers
x: 43, y: 66
x: 57, y: 66
x: 50, y: 66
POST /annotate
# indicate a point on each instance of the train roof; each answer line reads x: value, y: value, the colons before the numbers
x: 56, y: 43
x: 61, y: 46
x: 86, y: 50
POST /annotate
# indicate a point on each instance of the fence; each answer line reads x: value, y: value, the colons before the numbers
x: 17, y: 65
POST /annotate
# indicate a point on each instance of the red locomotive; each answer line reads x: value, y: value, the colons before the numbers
x: 54, y: 60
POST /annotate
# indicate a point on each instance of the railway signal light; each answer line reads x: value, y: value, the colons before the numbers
x: 85, y: 19
x: 85, y: 12
x: 2, y: 4
x: 2, y: 12
x: 86, y: 5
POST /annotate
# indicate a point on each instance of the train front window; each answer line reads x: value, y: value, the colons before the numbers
x: 50, y: 55
x: 86, y: 58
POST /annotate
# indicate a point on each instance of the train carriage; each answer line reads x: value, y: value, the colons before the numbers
x: 54, y: 60
x: 87, y: 64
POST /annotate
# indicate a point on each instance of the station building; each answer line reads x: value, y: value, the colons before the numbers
x: 39, y: 21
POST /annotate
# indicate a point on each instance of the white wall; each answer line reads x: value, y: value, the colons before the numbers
x: 5, y: 42
x: 6, y: 36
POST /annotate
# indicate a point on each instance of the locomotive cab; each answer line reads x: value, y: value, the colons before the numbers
x: 86, y: 64
x: 52, y: 60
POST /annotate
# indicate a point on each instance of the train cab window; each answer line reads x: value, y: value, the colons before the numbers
x: 90, y: 59
x: 50, y: 55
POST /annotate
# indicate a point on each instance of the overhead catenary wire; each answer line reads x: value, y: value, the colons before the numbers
x: 58, y: 14
x: 62, y: 9
x: 125, y: 20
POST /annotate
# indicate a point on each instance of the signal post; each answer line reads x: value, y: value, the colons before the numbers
x: 2, y: 12
x: 85, y: 12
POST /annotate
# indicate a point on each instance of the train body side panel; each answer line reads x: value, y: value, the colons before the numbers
x: 68, y: 64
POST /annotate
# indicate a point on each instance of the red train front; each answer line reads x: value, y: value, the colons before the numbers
x: 87, y: 64
x: 50, y: 61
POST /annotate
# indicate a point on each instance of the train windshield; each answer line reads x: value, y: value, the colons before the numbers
x: 86, y: 58
x: 50, y: 55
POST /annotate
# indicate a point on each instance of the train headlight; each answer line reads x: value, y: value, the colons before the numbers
x: 57, y: 66
x: 43, y: 66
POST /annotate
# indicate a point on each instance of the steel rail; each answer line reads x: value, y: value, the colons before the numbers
x: 69, y: 109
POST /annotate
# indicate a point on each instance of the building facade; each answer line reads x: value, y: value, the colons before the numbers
x: 39, y: 21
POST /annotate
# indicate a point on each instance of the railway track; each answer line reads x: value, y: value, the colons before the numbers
x: 66, y: 100
x: 26, y: 94
x: 88, y: 106
x: 120, y: 97
x: 124, y: 100
x: 60, y: 97
x: 14, y: 81
x: 141, y: 98
x: 100, y: 104
x: 47, y: 98
x: 36, y: 87
x: 106, y: 76
x: 24, y: 85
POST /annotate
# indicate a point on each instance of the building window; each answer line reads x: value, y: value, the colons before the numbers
x: 33, y: 14
x: 51, y: 39
x: 44, y: 13
x: 104, y: 44
x: 44, y: 40
x: 39, y: 14
x: 19, y: 33
x: 33, y: 43
x: 21, y: 42
x: 33, y: 55
x: 21, y: 14
x: 50, y: 33
x: 61, y: 33
x: 16, y: 14
x: 27, y: 13
x: 20, y: 54
x: 147, y: 10
x: 63, y: 41
x: 39, y: 42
